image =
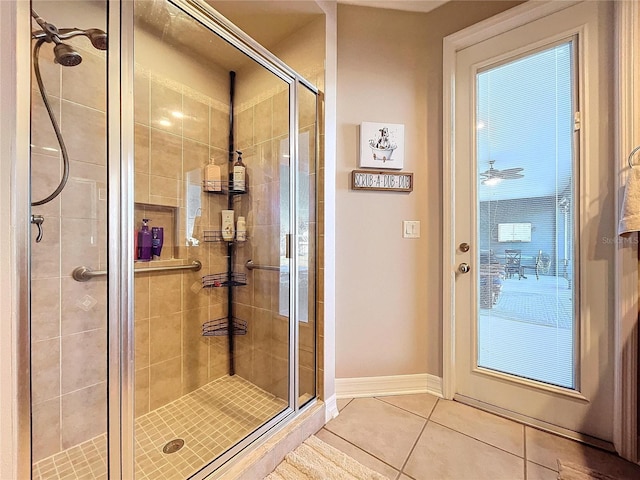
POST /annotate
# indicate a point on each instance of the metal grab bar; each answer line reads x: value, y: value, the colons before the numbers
x: 84, y: 274
x: 251, y: 266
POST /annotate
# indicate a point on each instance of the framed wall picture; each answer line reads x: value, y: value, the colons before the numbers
x: 381, y: 145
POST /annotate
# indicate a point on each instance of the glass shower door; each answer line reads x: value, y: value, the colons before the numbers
x: 213, y: 344
x: 68, y: 317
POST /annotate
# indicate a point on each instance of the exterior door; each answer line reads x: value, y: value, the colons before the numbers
x: 534, y: 308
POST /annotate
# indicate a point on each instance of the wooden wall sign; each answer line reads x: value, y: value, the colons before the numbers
x: 384, y: 181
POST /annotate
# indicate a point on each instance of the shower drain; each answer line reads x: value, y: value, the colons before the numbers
x: 173, y: 446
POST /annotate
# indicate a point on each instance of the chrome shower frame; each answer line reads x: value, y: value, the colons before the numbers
x: 120, y: 164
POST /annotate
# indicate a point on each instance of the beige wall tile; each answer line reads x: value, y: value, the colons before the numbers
x: 195, y: 122
x: 142, y: 100
x: 45, y: 178
x: 165, y: 154
x: 165, y: 333
x: 86, y: 83
x: 142, y: 392
x: 219, y: 129
x: 263, y: 123
x: 45, y: 309
x: 84, y: 414
x: 281, y: 114
x: 166, y: 294
x: 45, y: 420
x: 45, y: 364
x: 84, y: 305
x: 43, y: 138
x: 141, y: 187
x: 81, y: 244
x: 141, y: 307
x: 243, y: 124
x: 164, y: 102
x: 84, y: 130
x: 142, y: 344
x: 142, y: 150
x: 165, y: 383
x: 196, y: 156
x: 80, y: 197
x: 83, y: 360
x: 50, y: 72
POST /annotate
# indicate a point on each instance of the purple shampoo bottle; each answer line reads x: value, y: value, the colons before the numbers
x: 144, y: 242
x: 157, y: 239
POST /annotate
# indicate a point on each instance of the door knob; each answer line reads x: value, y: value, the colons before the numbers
x: 464, y: 268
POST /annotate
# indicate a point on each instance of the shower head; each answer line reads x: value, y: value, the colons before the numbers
x: 97, y: 37
x: 66, y: 56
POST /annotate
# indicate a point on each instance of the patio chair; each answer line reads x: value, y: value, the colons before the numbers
x: 541, y: 266
x: 512, y: 263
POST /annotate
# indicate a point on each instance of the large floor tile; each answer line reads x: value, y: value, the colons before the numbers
x: 343, y: 402
x: 489, y: 428
x: 382, y: 430
x: 444, y: 454
x: 357, y: 454
x: 545, y: 449
x: 538, y: 472
x: 421, y: 404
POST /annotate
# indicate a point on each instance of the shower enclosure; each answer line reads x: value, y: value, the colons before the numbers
x: 170, y: 367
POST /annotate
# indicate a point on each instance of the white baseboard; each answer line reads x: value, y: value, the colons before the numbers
x: 330, y: 408
x: 389, y: 385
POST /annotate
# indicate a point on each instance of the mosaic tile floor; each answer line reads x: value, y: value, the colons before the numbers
x: 209, y: 420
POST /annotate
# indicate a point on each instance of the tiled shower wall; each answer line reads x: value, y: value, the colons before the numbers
x: 177, y: 131
x: 68, y: 329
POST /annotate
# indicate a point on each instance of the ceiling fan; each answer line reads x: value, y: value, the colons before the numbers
x: 494, y: 176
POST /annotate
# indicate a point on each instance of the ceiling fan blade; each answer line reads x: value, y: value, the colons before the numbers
x: 511, y: 170
x: 509, y: 176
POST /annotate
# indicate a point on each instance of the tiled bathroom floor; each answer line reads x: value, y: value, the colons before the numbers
x: 209, y: 420
x: 421, y: 437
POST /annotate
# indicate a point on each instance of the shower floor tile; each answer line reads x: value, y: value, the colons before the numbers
x: 209, y: 420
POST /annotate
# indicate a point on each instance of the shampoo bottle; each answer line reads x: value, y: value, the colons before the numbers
x: 239, y: 174
x: 227, y: 225
x: 212, y: 181
x: 157, y: 239
x: 144, y: 242
x: 241, y: 230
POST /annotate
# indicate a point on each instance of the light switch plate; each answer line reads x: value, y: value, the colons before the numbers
x: 411, y: 229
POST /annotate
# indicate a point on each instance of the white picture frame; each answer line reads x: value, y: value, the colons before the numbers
x: 381, y: 145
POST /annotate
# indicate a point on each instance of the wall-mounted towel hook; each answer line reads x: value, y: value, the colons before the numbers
x: 633, y: 152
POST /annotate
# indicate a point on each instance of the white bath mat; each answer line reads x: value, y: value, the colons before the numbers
x: 316, y: 460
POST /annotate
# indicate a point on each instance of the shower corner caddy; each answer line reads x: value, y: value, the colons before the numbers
x: 220, y: 327
x: 227, y: 326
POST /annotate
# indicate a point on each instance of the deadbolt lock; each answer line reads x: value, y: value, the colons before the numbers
x: 464, y: 247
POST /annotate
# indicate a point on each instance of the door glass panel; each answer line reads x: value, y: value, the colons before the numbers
x: 212, y: 346
x: 69, y: 318
x: 307, y: 225
x: 524, y: 146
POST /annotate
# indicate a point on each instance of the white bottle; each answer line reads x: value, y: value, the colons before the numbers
x: 241, y: 230
x: 239, y: 174
x: 212, y: 177
x: 227, y: 225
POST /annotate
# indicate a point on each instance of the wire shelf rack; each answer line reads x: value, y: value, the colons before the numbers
x: 224, y: 279
x: 220, y: 327
x: 221, y: 187
x: 216, y: 236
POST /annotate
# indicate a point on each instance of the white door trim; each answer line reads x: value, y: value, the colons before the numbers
x: 625, y: 402
x: 627, y: 71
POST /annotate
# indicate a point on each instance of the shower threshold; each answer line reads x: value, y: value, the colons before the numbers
x: 210, y: 420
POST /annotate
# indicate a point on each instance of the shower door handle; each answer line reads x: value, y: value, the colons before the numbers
x: 38, y: 220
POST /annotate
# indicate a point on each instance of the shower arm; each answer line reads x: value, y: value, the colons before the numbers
x: 63, y: 34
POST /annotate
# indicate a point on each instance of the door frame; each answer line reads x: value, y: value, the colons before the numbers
x: 626, y: 137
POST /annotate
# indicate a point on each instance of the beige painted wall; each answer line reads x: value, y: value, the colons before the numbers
x: 389, y: 289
